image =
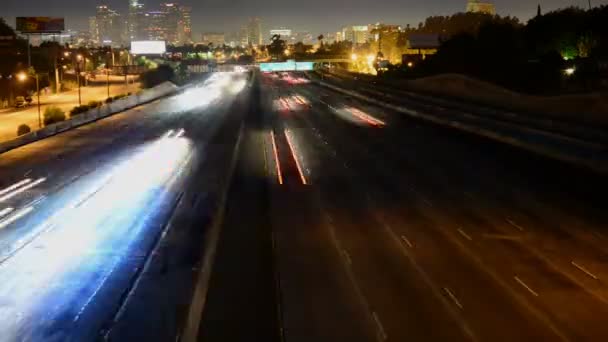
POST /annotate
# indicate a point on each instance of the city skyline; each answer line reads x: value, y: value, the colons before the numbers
x: 215, y: 15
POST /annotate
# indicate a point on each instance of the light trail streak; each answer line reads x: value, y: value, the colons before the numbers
x: 22, y: 189
x: 276, y: 158
x: 295, y: 156
x: 15, y: 217
x: 5, y: 212
x: 15, y: 186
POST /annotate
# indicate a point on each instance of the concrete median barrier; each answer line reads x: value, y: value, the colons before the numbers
x: 91, y: 115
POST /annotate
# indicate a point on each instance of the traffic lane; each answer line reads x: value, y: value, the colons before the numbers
x: 153, y: 154
x: 356, y: 190
x: 55, y: 280
x: 577, y: 271
x: 170, y: 272
x: 243, y: 291
x: 91, y: 153
x: 396, y: 303
x: 591, y: 327
x: 317, y: 299
x: 482, y: 304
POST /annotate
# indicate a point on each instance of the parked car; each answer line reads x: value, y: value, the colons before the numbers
x: 20, y: 102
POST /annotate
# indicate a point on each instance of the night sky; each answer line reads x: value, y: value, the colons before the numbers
x: 316, y: 16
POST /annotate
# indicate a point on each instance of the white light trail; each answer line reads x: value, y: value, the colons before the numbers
x: 15, y: 217
x: 5, y: 212
x: 15, y: 186
x: 22, y: 189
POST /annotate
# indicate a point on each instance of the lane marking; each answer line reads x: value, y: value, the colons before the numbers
x: 347, y: 257
x: 15, y: 217
x: 525, y: 286
x: 15, y: 186
x: 453, y: 297
x: 5, y: 212
x: 295, y: 157
x: 381, y: 332
x: 511, y: 222
x: 22, y: 189
x: 466, y: 236
x: 405, y: 239
x: 584, y: 270
x: 276, y: 158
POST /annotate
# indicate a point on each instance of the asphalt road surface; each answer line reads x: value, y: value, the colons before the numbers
x: 348, y: 222
x: 343, y: 222
x: 81, y: 212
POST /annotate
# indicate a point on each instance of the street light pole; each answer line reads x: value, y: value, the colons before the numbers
x: 108, y: 80
x: 38, y: 92
x: 78, y: 58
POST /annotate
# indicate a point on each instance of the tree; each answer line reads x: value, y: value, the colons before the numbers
x: 277, y: 47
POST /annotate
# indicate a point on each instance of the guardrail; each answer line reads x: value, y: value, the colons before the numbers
x: 91, y: 115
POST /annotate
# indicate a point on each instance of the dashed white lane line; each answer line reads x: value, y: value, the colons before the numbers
x: 525, y: 286
x: 465, y: 235
x: 453, y: 297
x: 407, y: 241
x: 511, y: 222
x: 584, y: 270
x: 382, y: 336
x: 15, y: 217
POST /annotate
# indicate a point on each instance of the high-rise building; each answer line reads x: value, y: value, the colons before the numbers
x: 254, y: 32
x: 339, y: 36
x: 184, y: 26
x: 476, y: 6
x: 172, y: 16
x: 215, y: 38
x: 93, y: 30
x: 358, y: 34
x: 108, y: 27
x: 156, y: 26
x: 283, y: 32
x: 244, y: 36
x: 137, y: 21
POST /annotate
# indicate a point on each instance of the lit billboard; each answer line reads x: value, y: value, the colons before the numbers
x: 290, y: 65
x: 40, y: 25
x: 148, y: 47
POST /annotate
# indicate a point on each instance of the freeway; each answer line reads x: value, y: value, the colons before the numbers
x: 343, y: 222
x: 82, y: 216
x: 349, y: 222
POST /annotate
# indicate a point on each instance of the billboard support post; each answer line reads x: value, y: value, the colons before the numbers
x: 29, y: 53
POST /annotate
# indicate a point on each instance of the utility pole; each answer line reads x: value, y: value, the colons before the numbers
x: 589, y: 4
x: 38, y: 91
x: 108, y: 80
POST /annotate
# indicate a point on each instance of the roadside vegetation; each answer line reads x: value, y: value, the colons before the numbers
x: 53, y: 115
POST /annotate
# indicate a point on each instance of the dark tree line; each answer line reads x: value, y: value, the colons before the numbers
x: 530, y: 58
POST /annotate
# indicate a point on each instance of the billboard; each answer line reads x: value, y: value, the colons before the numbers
x: 40, y: 25
x: 290, y: 65
x: 148, y: 47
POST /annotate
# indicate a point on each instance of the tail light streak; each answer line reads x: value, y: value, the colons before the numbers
x: 276, y: 158
x: 295, y: 156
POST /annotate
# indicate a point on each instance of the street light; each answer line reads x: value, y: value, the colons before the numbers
x: 78, y: 59
x: 353, y: 56
x: 22, y: 77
